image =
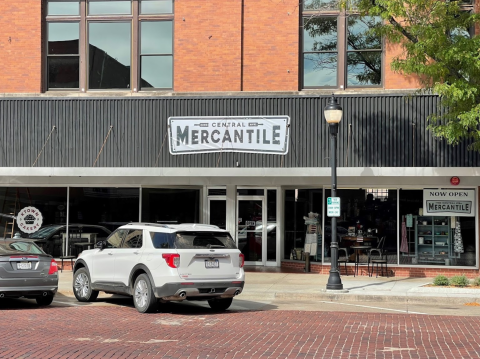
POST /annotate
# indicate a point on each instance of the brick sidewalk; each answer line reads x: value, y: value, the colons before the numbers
x: 190, y: 332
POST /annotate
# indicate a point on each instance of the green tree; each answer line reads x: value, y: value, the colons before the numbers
x: 439, y: 47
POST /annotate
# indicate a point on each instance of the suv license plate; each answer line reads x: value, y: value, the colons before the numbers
x: 24, y: 265
x: 212, y: 264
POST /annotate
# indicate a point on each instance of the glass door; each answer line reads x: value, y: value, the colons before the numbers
x: 251, y: 229
x: 217, y: 212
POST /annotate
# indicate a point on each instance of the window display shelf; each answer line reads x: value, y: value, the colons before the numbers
x: 433, y: 238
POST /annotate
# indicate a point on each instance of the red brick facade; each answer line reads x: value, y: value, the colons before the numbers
x: 207, y: 45
x: 21, y: 46
x: 219, y: 46
x: 271, y: 45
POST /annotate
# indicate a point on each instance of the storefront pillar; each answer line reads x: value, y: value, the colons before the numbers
x: 231, y: 215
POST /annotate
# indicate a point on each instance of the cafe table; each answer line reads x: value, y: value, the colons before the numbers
x: 360, y: 238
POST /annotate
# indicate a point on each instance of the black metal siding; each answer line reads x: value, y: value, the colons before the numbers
x: 376, y: 131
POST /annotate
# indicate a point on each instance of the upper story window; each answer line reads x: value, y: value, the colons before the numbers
x: 338, y: 49
x: 109, y: 44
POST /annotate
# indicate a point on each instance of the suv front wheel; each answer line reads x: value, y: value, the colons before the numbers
x: 143, y: 296
x: 82, y: 286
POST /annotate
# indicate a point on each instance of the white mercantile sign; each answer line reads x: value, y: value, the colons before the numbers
x: 449, y: 202
x: 255, y: 134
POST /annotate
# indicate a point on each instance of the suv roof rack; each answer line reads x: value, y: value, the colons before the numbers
x: 149, y: 224
x: 173, y: 226
x: 199, y: 225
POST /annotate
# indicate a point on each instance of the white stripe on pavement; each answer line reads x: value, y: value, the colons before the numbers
x: 367, y: 306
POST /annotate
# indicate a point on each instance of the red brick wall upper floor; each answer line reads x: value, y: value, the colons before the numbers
x: 219, y: 45
x: 20, y: 46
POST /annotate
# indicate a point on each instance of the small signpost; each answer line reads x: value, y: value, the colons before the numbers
x: 333, y: 206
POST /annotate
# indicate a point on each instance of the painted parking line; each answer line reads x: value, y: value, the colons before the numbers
x: 372, y: 307
x: 66, y: 303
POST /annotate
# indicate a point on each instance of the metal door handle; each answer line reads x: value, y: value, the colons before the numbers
x: 110, y: 253
x: 136, y: 252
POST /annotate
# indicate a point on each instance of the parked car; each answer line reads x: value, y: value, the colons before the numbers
x: 159, y: 262
x: 26, y: 271
x: 50, y: 236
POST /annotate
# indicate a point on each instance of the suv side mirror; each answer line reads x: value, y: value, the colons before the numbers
x: 101, y: 245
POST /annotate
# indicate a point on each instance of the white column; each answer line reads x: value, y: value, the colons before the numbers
x: 231, y: 215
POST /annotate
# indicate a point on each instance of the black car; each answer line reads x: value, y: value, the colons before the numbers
x: 26, y: 271
x: 51, y: 237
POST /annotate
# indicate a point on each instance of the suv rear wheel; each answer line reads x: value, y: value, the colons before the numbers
x: 220, y: 305
x: 143, y: 296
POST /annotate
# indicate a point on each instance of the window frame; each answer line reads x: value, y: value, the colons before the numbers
x: 84, y: 19
x: 342, y: 49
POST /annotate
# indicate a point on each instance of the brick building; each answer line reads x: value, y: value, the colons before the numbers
x: 87, y: 88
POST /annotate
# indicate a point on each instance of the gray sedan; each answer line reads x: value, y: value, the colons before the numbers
x: 26, y: 271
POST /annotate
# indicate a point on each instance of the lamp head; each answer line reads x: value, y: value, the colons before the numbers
x: 333, y: 111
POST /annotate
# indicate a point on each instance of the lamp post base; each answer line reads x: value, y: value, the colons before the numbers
x: 334, y: 281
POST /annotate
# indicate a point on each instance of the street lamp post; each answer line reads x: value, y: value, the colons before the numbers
x: 333, y: 115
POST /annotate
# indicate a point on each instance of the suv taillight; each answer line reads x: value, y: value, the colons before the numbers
x: 172, y: 259
x: 241, y: 260
x: 53, y: 267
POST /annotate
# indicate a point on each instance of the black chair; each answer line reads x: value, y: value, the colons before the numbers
x: 343, y: 259
x: 376, y: 253
x: 378, y: 256
x: 381, y: 259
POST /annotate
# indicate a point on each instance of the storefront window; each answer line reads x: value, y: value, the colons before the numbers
x: 441, y: 234
x: 170, y: 205
x: 51, y: 202
x: 271, y: 225
x: 299, y: 231
x: 366, y: 216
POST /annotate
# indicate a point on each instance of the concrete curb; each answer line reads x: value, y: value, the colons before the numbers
x: 423, y: 298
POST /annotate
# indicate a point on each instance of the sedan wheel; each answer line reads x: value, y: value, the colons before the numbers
x: 46, y: 300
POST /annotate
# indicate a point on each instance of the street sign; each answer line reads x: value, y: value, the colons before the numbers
x: 333, y: 206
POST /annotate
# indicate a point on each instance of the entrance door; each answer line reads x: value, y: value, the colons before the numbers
x: 251, y: 229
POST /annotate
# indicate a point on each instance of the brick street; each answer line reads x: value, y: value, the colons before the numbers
x: 179, y: 331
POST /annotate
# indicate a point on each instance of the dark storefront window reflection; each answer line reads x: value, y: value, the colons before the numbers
x: 170, y: 205
x: 108, y: 207
x: 368, y: 215
x: 298, y: 204
x: 272, y: 225
x: 50, y: 201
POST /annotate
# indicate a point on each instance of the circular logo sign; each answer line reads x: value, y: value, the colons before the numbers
x: 29, y: 220
x: 455, y: 181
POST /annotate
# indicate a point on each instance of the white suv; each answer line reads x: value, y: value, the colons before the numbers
x: 156, y: 262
